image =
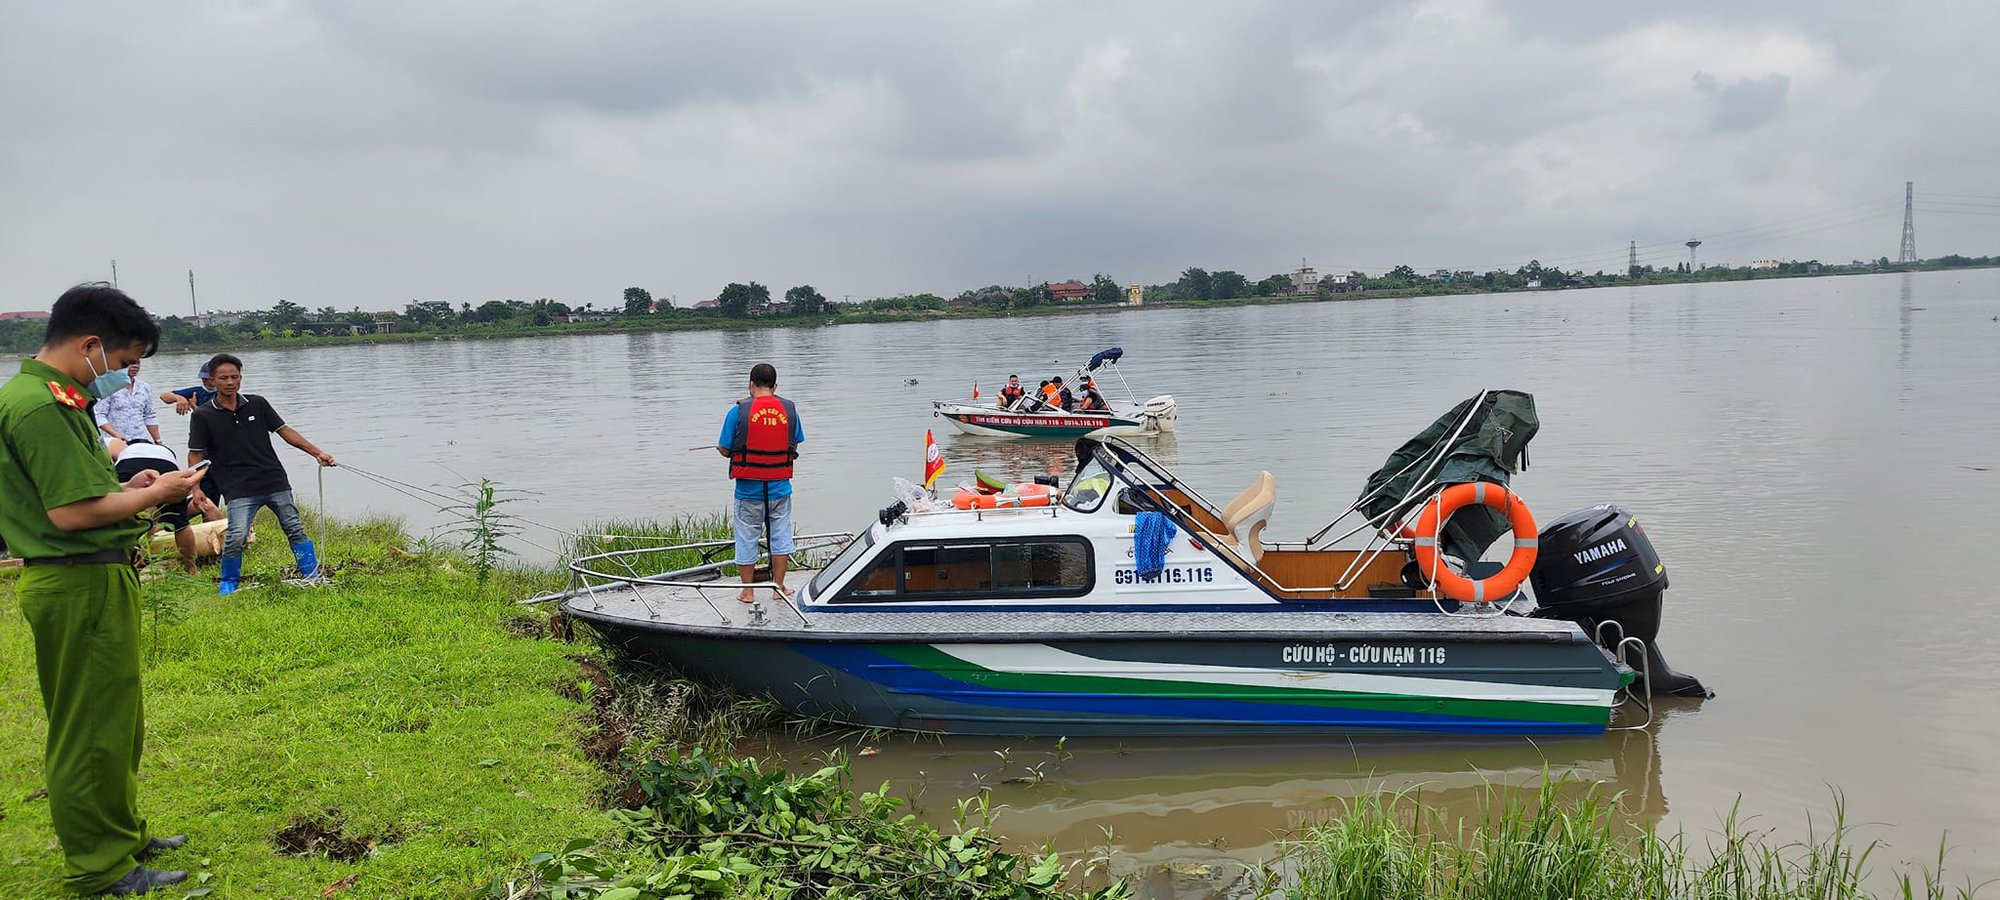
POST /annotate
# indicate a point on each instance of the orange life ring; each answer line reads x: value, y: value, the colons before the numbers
x: 1019, y: 495
x: 1457, y: 497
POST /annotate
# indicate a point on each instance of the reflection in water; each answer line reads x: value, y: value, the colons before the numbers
x: 1014, y: 459
x: 1191, y: 818
x: 1903, y: 318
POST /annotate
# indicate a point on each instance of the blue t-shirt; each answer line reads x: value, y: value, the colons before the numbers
x: 200, y: 395
x: 751, y: 489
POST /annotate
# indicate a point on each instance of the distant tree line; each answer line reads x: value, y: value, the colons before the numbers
x: 636, y: 307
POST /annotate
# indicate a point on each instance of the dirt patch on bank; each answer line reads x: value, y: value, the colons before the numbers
x: 325, y: 834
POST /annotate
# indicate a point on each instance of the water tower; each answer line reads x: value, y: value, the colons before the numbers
x: 1691, y: 263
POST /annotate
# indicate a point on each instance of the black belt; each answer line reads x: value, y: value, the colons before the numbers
x: 101, y: 557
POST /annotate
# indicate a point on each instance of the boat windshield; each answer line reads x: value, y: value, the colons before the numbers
x: 854, y: 550
x: 1086, y: 493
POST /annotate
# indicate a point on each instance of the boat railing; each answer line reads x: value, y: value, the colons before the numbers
x: 1157, y: 473
x: 592, y: 574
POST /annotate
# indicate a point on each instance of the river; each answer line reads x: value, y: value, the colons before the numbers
x: 1817, y: 461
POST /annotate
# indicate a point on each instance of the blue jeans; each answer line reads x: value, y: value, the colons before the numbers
x: 243, y: 509
x: 750, y: 526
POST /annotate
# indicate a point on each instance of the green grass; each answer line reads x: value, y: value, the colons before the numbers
x: 395, y: 702
x: 1391, y: 847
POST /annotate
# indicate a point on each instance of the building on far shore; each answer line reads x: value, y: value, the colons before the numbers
x: 1135, y: 294
x: 1070, y: 291
x: 1305, y: 281
x: 1763, y: 264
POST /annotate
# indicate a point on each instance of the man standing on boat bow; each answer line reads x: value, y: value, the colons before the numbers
x: 761, y: 436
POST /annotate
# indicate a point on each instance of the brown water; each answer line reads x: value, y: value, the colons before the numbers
x: 1818, y: 462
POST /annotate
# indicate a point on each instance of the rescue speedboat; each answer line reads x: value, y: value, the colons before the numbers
x: 1134, y: 605
x: 1126, y: 418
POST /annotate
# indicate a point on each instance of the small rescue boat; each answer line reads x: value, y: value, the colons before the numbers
x: 1128, y: 603
x: 1032, y: 418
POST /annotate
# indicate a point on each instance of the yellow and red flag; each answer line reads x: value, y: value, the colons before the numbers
x: 933, y: 460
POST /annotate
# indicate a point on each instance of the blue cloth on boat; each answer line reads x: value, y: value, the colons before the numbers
x: 1150, y: 536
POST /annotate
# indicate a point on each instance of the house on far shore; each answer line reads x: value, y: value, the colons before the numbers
x: 592, y: 315
x: 1070, y: 291
x: 1305, y: 281
x: 1763, y: 264
x: 708, y: 304
x: 1342, y: 282
x: 1441, y: 276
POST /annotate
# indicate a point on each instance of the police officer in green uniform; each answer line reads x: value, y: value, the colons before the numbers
x: 64, y: 513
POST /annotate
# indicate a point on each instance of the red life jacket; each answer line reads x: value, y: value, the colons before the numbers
x: 1009, y: 394
x: 762, y: 449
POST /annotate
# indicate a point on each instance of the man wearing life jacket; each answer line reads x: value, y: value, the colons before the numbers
x: 1091, y: 401
x: 761, y: 436
x: 1012, y: 393
x: 1058, y: 397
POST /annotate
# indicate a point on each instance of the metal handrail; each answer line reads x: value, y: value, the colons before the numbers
x: 582, y: 573
x: 578, y: 567
x: 1153, y: 467
x: 1643, y: 699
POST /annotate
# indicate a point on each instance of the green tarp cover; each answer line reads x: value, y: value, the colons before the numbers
x: 1492, y: 447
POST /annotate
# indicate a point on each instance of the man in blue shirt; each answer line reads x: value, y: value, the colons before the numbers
x: 761, y: 435
x: 187, y: 400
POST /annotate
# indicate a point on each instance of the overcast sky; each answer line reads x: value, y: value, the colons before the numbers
x: 366, y: 153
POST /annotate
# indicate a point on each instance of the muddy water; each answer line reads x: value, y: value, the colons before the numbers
x: 1818, y: 462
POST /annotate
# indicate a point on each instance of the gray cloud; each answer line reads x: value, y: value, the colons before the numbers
x: 1744, y: 103
x: 365, y: 153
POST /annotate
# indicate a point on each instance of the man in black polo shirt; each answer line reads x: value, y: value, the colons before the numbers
x: 234, y: 430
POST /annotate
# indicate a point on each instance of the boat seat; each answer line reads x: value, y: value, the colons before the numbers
x: 1245, y: 517
x: 1250, y: 493
x: 1248, y: 526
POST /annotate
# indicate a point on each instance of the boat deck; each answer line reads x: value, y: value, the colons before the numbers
x: 715, y: 611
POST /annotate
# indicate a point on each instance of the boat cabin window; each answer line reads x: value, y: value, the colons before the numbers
x: 1086, y: 493
x: 854, y: 550
x: 1037, y: 567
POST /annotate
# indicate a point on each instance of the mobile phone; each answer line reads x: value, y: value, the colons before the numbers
x: 200, y: 465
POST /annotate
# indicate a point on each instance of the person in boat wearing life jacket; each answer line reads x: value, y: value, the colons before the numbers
x: 1012, y: 392
x: 1091, y: 401
x: 761, y: 436
x: 1056, y: 396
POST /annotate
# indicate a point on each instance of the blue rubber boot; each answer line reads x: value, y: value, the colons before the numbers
x: 232, y: 574
x: 308, y: 559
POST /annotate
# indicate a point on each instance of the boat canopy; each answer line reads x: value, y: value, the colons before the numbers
x: 1111, y: 355
x: 1481, y: 439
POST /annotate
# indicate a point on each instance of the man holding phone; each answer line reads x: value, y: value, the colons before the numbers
x: 75, y: 527
x: 235, y: 431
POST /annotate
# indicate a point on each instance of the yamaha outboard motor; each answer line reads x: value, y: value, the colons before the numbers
x: 1596, y: 565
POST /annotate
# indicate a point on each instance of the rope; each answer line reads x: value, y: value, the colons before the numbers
x: 443, y: 502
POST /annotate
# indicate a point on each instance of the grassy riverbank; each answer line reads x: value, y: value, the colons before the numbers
x: 391, y: 720
x: 408, y: 732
